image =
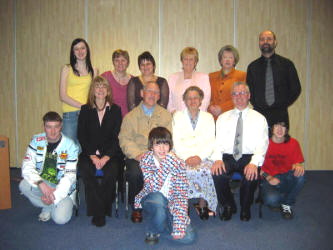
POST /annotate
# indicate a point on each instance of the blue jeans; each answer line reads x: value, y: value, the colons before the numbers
x: 69, y: 127
x: 159, y: 219
x: 283, y: 193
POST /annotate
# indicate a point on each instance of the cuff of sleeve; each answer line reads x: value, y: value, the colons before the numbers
x: 178, y: 230
x: 137, y: 205
x: 256, y: 161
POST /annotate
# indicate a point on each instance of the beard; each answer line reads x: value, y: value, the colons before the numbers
x: 267, y: 48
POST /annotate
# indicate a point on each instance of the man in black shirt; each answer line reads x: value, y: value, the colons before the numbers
x: 273, y: 81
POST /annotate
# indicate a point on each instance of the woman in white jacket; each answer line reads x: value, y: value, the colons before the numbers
x: 194, y: 138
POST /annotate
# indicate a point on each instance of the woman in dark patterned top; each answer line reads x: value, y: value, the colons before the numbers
x: 147, y: 67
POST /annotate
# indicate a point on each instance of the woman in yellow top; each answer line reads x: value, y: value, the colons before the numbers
x: 75, y: 80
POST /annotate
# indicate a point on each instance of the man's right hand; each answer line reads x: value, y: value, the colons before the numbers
x: 218, y: 168
x: 48, y: 193
x: 272, y: 180
x: 46, y: 200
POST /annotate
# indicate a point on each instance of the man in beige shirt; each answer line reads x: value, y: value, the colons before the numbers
x: 133, y: 137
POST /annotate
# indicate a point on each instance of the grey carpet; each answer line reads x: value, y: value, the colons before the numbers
x: 310, y: 229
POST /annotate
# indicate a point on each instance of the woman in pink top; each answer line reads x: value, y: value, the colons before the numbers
x: 119, y: 78
x: 180, y: 81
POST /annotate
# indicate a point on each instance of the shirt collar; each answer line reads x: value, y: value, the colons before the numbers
x: 244, y: 111
x: 156, y: 161
x: 222, y: 75
x: 195, y: 120
x: 148, y: 111
x: 271, y: 57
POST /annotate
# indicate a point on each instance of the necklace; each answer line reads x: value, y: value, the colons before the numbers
x: 122, y: 80
x: 100, y: 109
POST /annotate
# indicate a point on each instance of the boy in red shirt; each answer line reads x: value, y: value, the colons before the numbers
x: 282, y: 171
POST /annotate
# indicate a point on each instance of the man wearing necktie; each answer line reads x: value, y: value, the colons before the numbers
x: 273, y: 81
x: 241, y: 144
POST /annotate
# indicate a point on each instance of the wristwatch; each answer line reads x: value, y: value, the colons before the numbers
x: 265, y: 175
x: 39, y: 182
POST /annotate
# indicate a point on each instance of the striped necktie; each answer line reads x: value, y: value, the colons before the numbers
x: 238, y: 143
x: 269, y: 90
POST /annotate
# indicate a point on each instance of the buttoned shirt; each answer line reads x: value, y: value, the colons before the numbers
x: 221, y: 87
x: 255, y: 135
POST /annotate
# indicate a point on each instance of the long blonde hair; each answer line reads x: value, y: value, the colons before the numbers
x: 99, y: 80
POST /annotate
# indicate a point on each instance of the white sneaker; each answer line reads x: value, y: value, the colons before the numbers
x: 286, y: 211
x: 44, y: 216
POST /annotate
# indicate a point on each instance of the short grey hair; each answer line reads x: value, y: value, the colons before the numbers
x: 193, y: 88
x: 231, y: 49
x: 236, y: 84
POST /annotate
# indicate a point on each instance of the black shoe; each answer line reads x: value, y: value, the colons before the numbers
x: 152, y: 238
x: 245, y: 214
x: 227, y: 213
x: 286, y: 211
x: 203, y: 213
x: 98, y: 221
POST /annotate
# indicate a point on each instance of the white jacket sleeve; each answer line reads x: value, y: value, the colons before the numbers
x: 29, y: 171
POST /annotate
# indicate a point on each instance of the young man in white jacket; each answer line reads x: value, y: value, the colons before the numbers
x: 49, y: 171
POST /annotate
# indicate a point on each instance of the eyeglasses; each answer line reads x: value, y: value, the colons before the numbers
x: 155, y: 92
x: 192, y: 98
x: 100, y: 86
x: 241, y: 93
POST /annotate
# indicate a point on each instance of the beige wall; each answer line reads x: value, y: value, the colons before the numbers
x: 36, y: 37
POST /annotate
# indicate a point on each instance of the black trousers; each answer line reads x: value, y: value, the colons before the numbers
x: 247, y: 188
x: 274, y: 115
x: 134, y: 177
x: 99, y: 196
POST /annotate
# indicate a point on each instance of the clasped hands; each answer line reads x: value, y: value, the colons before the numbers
x: 99, y: 162
x: 250, y: 170
x: 48, y: 193
x: 193, y: 161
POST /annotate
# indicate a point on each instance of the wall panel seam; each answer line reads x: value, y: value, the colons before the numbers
x: 15, y: 86
x: 86, y: 20
x: 235, y: 5
x: 308, y: 77
x: 160, y: 25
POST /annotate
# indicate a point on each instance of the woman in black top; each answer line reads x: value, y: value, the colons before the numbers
x: 98, y: 129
